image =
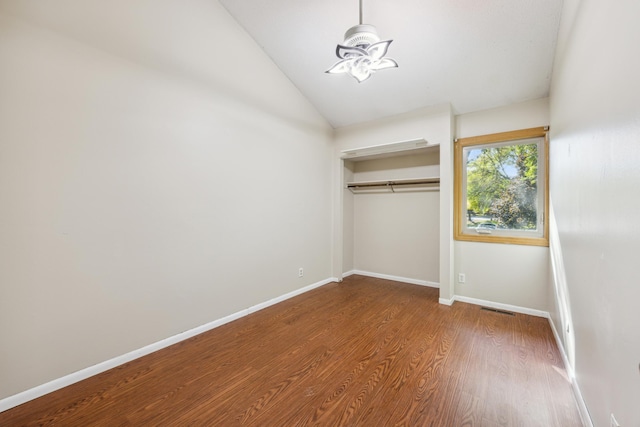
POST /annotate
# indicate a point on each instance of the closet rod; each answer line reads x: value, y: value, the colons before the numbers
x: 390, y: 184
x: 394, y: 183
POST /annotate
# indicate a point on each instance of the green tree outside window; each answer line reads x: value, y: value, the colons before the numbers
x: 502, y: 186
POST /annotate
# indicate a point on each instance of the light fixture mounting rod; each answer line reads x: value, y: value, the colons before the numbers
x: 360, y: 12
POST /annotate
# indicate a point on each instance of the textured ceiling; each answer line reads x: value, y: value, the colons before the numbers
x: 469, y: 53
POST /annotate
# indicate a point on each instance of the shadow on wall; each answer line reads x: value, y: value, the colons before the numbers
x: 561, y: 291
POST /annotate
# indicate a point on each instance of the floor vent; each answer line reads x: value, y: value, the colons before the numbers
x: 495, y: 310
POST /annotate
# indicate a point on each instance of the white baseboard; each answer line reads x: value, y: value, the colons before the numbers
x: 51, y: 386
x: 501, y: 306
x: 394, y: 278
x: 469, y: 300
x: 563, y: 353
x: 582, y: 407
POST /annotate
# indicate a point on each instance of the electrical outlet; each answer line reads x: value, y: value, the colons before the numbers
x: 300, y: 272
x: 461, y: 278
x: 614, y: 422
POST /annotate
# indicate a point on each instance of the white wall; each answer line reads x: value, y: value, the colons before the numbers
x: 146, y: 186
x: 507, y: 274
x: 398, y: 234
x: 417, y: 165
x: 348, y: 216
x: 595, y: 134
x: 431, y: 124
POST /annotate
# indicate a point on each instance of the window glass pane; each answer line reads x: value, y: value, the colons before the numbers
x: 502, y: 187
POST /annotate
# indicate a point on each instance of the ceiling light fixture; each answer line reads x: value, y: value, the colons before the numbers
x: 362, y: 53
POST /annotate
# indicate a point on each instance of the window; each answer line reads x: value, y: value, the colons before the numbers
x: 501, y: 187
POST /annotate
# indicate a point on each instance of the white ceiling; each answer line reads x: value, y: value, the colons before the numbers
x: 474, y: 54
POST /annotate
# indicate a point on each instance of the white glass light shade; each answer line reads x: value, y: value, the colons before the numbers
x: 362, y: 53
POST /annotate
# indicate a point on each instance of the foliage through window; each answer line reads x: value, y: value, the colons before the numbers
x: 501, y: 187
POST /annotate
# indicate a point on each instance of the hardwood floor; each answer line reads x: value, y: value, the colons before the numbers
x: 366, y: 352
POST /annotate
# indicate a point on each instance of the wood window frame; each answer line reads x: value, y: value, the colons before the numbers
x: 459, y: 199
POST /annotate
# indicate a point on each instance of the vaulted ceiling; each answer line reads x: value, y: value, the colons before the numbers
x: 469, y: 53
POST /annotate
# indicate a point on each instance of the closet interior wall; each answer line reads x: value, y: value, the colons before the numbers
x: 393, y: 233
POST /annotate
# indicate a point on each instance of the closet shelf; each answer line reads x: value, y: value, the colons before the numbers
x: 395, y: 184
x: 401, y: 148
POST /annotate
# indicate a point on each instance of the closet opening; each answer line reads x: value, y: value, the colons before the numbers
x: 391, y: 212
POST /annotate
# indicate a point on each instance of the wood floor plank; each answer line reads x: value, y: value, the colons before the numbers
x: 365, y: 352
